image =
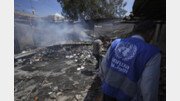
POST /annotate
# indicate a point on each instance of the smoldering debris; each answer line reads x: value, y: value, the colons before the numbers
x: 63, y: 72
x: 53, y: 74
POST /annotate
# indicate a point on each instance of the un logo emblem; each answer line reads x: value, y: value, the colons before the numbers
x: 125, y: 51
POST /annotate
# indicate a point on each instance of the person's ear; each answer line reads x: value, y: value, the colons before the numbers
x: 151, y: 35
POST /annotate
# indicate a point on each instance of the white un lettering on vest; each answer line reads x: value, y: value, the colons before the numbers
x: 124, y: 52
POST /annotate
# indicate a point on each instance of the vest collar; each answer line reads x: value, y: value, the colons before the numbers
x: 138, y: 36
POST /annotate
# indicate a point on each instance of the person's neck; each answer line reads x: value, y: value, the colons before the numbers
x: 138, y: 36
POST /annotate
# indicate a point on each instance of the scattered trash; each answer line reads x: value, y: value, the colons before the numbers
x: 50, y: 93
x: 82, y: 67
x: 78, y: 69
x: 82, y: 56
x: 53, y: 96
x: 47, y: 84
x: 78, y: 97
x: 20, y: 60
x: 75, y: 60
x: 36, y: 60
x: 51, y: 80
x: 88, y: 56
x: 75, y: 83
x: 70, y: 56
x: 23, y: 51
x: 55, y: 88
x: 88, y: 86
x: 30, y: 62
x: 59, y: 93
x: 67, y: 57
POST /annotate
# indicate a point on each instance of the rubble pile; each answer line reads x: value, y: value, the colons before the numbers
x: 61, y: 74
x: 64, y: 73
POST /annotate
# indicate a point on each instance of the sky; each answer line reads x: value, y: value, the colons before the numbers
x: 42, y: 7
x: 49, y: 7
x: 129, y: 6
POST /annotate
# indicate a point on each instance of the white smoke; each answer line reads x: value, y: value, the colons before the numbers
x: 47, y: 33
x: 59, y: 15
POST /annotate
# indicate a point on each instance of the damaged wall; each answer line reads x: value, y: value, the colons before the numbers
x: 112, y: 28
x: 23, y: 37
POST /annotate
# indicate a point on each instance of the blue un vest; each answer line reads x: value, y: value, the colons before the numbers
x: 127, y: 60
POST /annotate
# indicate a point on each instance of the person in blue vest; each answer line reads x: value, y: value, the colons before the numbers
x: 130, y: 69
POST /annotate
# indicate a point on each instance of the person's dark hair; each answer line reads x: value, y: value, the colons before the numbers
x: 101, y: 38
x: 144, y: 27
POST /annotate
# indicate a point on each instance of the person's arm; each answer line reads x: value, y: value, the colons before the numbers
x: 100, y: 50
x: 104, y: 63
x: 150, y: 79
x: 100, y: 47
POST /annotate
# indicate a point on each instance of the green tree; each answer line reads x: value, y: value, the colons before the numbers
x: 92, y: 9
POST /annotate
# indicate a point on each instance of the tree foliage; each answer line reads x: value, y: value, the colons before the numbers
x: 92, y: 9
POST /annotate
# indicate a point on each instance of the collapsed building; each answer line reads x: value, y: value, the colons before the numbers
x: 65, y: 71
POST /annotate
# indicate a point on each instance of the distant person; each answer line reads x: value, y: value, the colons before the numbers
x: 97, y: 49
x: 131, y: 67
